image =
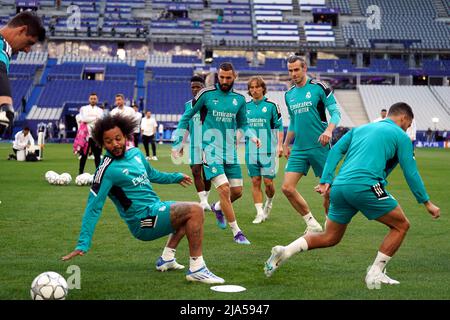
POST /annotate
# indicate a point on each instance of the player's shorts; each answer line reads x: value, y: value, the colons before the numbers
x: 347, y: 200
x: 232, y: 171
x: 262, y: 167
x: 195, y: 155
x: 156, y: 225
x: 301, y: 160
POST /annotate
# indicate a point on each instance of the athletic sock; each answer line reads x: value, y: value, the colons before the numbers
x: 168, y: 254
x: 196, y: 263
x: 310, y: 220
x: 217, y: 206
x: 259, y: 209
x: 296, y: 246
x: 380, y: 261
x: 202, y: 196
x: 234, y: 227
x: 269, y: 201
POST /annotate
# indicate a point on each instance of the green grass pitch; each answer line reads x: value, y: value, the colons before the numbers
x: 39, y: 223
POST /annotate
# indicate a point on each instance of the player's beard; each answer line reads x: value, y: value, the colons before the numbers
x: 119, y: 152
x: 226, y: 87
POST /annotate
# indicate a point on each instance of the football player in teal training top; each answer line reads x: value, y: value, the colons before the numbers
x: 264, y: 117
x: 371, y: 153
x: 222, y: 112
x: 306, y: 103
x: 202, y: 184
x: 126, y: 177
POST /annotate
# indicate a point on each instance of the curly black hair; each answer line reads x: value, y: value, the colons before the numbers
x: 124, y: 123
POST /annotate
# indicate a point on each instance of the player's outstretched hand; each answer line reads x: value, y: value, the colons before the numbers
x: 73, y: 254
x: 325, y: 137
x: 435, y: 211
x: 187, y: 181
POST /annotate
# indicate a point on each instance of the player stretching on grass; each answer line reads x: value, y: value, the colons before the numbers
x: 372, y: 152
x: 125, y: 176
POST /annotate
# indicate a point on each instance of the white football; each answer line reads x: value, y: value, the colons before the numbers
x: 84, y: 179
x: 66, y: 178
x: 53, y: 178
x: 49, y: 174
x: 79, y: 180
x: 49, y: 286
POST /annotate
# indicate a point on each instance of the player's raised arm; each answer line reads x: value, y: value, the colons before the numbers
x: 162, y: 177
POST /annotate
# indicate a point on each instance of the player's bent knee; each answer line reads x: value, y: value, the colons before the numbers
x: 197, y: 212
x: 236, y: 192
x: 288, y: 190
x: 404, y: 226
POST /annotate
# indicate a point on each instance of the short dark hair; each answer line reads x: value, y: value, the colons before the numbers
x: 294, y: 58
x: 93, y: 94
x: 401, y: 108
x: 120, y: 95
x: 26, y: 128
x: 197, y: 78
x: 227, y: 66
x: 124, y: 123
x: 383, y: 110
x: 32, y: 21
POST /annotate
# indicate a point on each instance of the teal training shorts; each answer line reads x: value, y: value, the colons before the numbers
x: 261, y: 166
x: 156, y: 225
x: 347, y: 200
x: 300, y: 160
x: 232, y: 171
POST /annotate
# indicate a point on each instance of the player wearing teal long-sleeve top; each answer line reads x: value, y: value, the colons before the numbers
x: 306, y: 103
x: 126, y: 178
x: 371, y: 153
x: 222, y: 113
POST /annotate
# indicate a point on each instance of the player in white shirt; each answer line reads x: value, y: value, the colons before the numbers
x: 22, y: 140
x: 89, y: 114
x: 124, y: 110
x: 121, y: 107
x: 411, y: 132
x: 137, y: 129
x: 383, y: 115
x: 148, y: 129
